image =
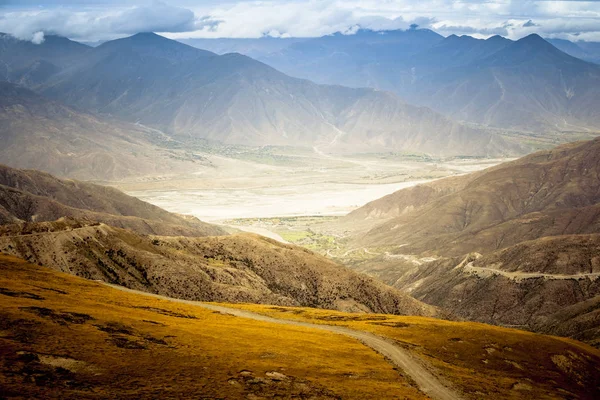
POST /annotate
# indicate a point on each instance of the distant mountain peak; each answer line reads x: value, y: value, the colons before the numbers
x: 463, y: 38
x: 149, y: 43
x: 534, y: 37
x: 498, y: 38
x: 537, y: 43
x: 534, y: 46
x: 146, y: 35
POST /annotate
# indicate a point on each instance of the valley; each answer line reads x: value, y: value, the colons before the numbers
x: 356, y: 214
x: 290, y: 182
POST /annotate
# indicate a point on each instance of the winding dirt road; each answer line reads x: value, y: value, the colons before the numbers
x: 484, y: 272
x: 427, y: 382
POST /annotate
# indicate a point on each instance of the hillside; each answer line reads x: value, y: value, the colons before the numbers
x: 65, y: 337
x: 26, y: 63
x: 33, y: 196
x: 547, y: 285
x: 547, y: 193
x: 194, y: 94
x: 516, y: 244
x: 68, y: 338
x: 239, y: 268
x: 588, y: 51
x: 43, y: 134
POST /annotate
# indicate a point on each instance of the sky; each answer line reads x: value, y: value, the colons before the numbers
x: 108, y: 19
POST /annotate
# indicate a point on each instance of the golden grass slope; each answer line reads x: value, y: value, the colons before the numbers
x: 67, y: 338
x: 480, y: 360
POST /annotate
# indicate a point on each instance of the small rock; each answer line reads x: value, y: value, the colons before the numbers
x: 276, y: 376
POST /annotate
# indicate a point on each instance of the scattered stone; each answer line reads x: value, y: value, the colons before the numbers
x: 115, y: 328
x: 125, y: 343
x: 61, y: 318
x: 166, y: 312
x: 276, y: 376
x: 521, y: 386
x: 24, y: 295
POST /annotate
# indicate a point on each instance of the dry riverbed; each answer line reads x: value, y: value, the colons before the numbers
x: 292, y: 185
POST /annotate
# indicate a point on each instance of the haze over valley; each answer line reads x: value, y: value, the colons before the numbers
x: 326, y: 201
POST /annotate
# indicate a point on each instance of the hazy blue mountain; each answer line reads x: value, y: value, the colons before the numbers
x: 528, y: 84
x: 524, y: 85
x: 454, y: 51
x: 588, y: 51
x: 251, y: 47
x: 232, y: 98
x: 591, y: 48
x: 364, y: 59
x: 25, y: 62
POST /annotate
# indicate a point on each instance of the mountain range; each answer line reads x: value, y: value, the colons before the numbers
x: 266, y: 47
x: 526, y: 84
x: 507, y: 93
x: 588, y: 51
x: 194, y: 94
x: 40, y: 133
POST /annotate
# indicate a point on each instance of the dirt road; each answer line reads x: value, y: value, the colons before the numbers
x: 518, y: 276
x: 426, y: 381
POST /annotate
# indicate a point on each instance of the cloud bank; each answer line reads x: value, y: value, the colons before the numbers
x: 98, y: 23
x: 107, y: 19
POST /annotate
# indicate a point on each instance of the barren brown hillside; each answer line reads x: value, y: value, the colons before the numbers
x: 516, y: 244
x: 238, y: 268
x: 43, y: 134
x: 549, y: 185
x: 28, y: 195
x: 550, y: 285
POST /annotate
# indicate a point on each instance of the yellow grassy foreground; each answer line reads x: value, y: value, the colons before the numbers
x: 479, y: 360
x: 65, y: 337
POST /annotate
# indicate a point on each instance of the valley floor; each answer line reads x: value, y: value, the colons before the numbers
x: 282, y: 182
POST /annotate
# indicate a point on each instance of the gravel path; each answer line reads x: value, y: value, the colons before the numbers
x: 426, y: 381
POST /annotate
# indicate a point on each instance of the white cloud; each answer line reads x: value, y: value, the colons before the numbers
x: 38, y: 38
x: 101, y: 19
x: 98, y: 23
